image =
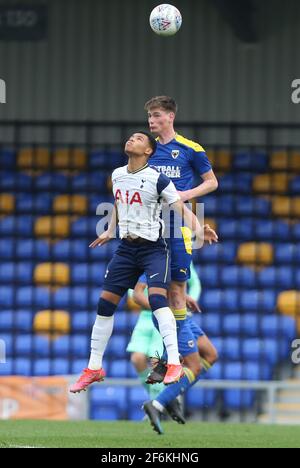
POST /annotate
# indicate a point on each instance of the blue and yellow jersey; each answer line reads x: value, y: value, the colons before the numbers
x: 181, y: 160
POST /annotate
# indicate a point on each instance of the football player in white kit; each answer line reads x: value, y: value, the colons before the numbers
x: 139, y: 191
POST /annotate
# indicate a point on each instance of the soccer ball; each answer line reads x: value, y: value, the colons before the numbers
x: 165, y: 20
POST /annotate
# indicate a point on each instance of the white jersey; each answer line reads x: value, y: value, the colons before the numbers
x: 139, y: 196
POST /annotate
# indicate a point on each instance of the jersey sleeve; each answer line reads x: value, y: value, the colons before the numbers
x: 200, y: 161
x: 167, y: 190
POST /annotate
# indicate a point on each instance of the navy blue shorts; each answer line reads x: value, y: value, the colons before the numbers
x: 131, y: 260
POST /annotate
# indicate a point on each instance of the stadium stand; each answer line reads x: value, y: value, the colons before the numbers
x: 50, y: 280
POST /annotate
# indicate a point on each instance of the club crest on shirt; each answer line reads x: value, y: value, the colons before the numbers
x: 175, y: 154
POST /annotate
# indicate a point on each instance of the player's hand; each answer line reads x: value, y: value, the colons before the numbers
x: 210, y: 235
x: 103, y: 239
x: 184, y: 196
x: 192, y: 304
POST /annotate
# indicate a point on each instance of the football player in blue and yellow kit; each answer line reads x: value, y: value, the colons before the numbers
x: 181, y: 160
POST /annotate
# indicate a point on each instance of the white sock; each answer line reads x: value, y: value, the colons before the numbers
x: 101, y: 334
x: 167, y: 329
x: 158, y: 406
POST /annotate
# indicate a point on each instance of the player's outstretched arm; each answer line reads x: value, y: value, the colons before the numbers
x: 209, y: 184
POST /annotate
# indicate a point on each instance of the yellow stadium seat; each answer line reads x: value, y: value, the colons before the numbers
x: 53, y: 227
x: 7, y: 203
x: 52, y: 274
x: 288, y: 303
x: 255, y: 254
x: 271, y: 183
x: 70, y: 159
x: 70, y: 204
x: 220, y: 160
x: 286, y: 206
x: 52, y: 323
x: 34, y: 158
x: 283, y: 160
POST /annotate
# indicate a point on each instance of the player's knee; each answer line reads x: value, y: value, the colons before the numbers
x: 106, y: 308
x: 139, y: 361
x: 177, y: 296
x: 157, y: 301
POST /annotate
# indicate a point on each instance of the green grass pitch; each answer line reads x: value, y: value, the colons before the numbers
x: 88, y: 434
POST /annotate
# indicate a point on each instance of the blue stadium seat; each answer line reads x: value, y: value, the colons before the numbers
x: 263, y: 301
x: 77, y: 366
x: 7, y: 249
x: 100, y: 254
x: 295, y: 186
x: 85, y: 227
x: 216, y: 372
x: 240, y: 183
x: 231, y: 349
x: 287, y: 254
x: 53, y: 182
x: 251, y: 161
x: 7, y: 158
x: 77, y: 250
x: 80, y: 346
x: 39, y: 204
x: 76, y: 298
x: 60, y: 367
x: 88, y: 273
x: 276, y: 277
x: 245, y: 325
x: 209, y: 275
x: 199, y: 398
x: 267, y: 230
x: 117, y: 346
x: 42, y: 367
x: 38, y: 298
x: 216, y: 300
x: 34, y: 250
x: 295, y: 231
x: 7, y: 296
x: 16, y: 225
x: 22, y: 366
x: 239, y: 399
x: 222, y: 252
x: 82, y: 322
x: 261, y: 351
x: 6, y: 369
x: 122, y: 324
x: 210, y: 323
x: 16, y: 272
x: 6, y: 320
x: 251, y: 206
x: 119, y: 369
x: 61, y: 347
x: 235, y: 276
x: 236, y: 229
x: 95, y: 181
x: 137, y: 396
x: 104, y: 159
x: 13, y: 181
x: 276, y: 326
x: 102, y: 396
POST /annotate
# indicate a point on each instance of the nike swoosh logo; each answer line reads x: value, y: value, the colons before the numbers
x: 152, y: 276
